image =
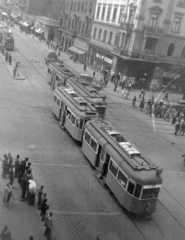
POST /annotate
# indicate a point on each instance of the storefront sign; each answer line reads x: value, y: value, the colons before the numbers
x: 108, y: 60
x: 80, y: 44
x: 170, y: 75
x: 99, y: 56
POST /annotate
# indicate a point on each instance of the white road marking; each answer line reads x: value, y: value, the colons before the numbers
x: 87, y: 213
x: 60, y: 165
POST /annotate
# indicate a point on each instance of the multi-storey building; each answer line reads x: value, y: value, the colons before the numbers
x: 76, y: 25
x: 144, y: 40
x: 104, y: 33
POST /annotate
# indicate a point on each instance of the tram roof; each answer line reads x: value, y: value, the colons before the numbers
x: 87, y: 91
x: 134, y: 158
x: 144, y: 171
x: 78, y: 103
x: 60, y: 68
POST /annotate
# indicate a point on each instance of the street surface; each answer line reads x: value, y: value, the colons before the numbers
x: 82, y: 207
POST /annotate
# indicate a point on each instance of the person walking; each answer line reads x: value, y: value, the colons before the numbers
x: 49, y: 225
x: 166, y: 96
x: 40, y: 193
x: 6, y: 56
x: 85, y: 66
x: 17, y: 165
x: 9, y: 195
x: 134, y: 101
x: 177, y: 127
x: 5, y: 166
x: 5, y: 234
x: 10, y: 161
x: 43, y: 208
x: 142, y: 104
x: 10, y: 59
x: 32, y: 192
x: 24, y: 183
x: 94, y: 73
x: 11, y: 175
x: 182, y: 128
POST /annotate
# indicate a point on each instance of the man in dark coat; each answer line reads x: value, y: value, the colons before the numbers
x: 11, y: 174
x: 17, y: 165
x: 177, y: 128
x: 24, y: 184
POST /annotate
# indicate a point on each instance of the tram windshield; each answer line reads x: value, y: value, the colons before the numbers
x: 150, y: 193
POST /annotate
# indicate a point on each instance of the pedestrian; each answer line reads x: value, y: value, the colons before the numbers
x: 6, y: 56
x: 40, y: 193
x: 134, y: 101
x: 24, y: 183
x: 32, y: 192
x: 141, y: 94
x: 51, y: 45
x: 9, y: 195
x: 182, y: 128
x: 177, y: 128
x: 142, y: 104
x: 5, y: 234
x: 43, y: 208
x: 17, y: 164
x: 166, y: 96
x: 10, y: 59
x: 10, y: 161
x: 94, y: 73
x: 5, y: 166
x: 14, y: 72
x: 49, y: 225
x: 11, y: 174
x: 85, y: 66
x: 28, y: 168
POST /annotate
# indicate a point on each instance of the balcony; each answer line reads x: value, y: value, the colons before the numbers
x: 126, y: 53
x: 149, y: 57
x: 153, y: 30
x: 126, y: 26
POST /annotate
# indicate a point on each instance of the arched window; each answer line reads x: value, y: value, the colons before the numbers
x: 94, y: 34
x: 82, y: 7
x: 78, y: 6
x: 183, y: 53
x: 72, y: 6
x: 75, y: 6
x: 110, y: 38
x: 171, y: 50
x: 99, y: 34
x: 104, y: 35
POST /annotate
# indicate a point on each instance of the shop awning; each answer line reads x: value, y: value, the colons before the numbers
x: 76, y: 50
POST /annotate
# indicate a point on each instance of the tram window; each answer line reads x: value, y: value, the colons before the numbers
x: 93, y: 144
x: 49, y: 70
x: 113, y: 168
x: 150, y: 193
x: 58, y: 102
x: 81, y: 124
x: 73, y: 119
x: 56, y: 77
x: 137, y: 191
x: 87, y: 137
x: 131, y: 187
x: 122, y: 179
x: 77, y: 122
x: 68, y: 114
x: 55, y: 99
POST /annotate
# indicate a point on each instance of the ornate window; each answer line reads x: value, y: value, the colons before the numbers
x: 72, y: 6
x: 176, y: 24
x: 75, y: 6
x: 104, y: 36
x: 99, y: 34
x: 115, y: 14
x: 183, y: 53
x: 110, y: 38
x: 82, y: 7
x: 109, y: 12
x: 171, y: 50
x: 103, y: 12
x: 153, y: 20
x: 94, y: 34
x: 90, y: 7
x: 78, y: 6
x: 98, y: 11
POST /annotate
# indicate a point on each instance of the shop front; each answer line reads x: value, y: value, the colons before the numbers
x: 78, y: 50
x: 100, y: 59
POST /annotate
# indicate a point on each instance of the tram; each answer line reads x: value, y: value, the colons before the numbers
x: 7, y: 40
x: 91, y: 95
x: 133, y: 179
x: 57, y: 73
x: 72, y: 111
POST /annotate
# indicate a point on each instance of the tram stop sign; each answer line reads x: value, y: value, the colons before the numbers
x: 108, y: 236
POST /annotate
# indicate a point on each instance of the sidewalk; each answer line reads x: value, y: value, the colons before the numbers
x: 22, y: 219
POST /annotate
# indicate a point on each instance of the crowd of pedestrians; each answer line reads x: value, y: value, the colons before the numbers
x: 22, y: 170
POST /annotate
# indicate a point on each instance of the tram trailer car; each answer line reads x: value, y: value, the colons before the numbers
x: 57, y: 73
x: 91, y: 95
x: 133, y: 179
x: 7, y: 39
x: 72, y: 111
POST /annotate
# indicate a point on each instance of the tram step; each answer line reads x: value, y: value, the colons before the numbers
x: 99, y: 176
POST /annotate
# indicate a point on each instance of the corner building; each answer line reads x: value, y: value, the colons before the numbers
x: 147, y: 43
x: 104, y: 33
x: 76, y: 21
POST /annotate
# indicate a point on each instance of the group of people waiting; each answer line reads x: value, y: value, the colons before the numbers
x: 22, y: 170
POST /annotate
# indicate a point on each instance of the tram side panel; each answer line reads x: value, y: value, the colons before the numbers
x: 56, y: 106
x: 75, y: 132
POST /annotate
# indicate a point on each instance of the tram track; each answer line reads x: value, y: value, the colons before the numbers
x: 133, y: 221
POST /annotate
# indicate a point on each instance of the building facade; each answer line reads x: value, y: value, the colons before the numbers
x: 105, y: 33
x: 75, y: 26
x: 144, y: 40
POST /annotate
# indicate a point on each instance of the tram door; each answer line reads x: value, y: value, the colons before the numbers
x: 104, y: 162
x: 62, y: 116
